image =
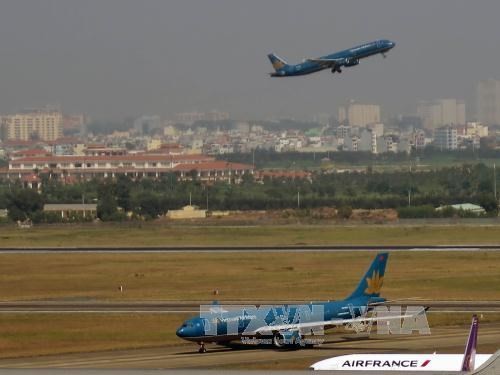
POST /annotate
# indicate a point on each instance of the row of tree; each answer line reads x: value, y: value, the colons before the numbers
x: 123, y: 197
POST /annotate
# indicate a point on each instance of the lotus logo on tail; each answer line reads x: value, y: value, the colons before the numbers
x: 278, y: 64
x: 374, y: 283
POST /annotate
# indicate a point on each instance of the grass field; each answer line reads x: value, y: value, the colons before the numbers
x: 154, y: 234
x: 193, y: 276
x: 244, y: 276
x: 30, y: 335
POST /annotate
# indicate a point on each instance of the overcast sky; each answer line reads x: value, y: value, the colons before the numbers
x: 115, y: 58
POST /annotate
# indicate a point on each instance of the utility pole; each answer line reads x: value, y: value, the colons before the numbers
x: 298, y: 198
x: 495, y: 181
x: 190, y: 198
x: 409, y: 190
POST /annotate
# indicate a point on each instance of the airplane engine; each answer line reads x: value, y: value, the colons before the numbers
x: 351, y: 62
x: 286, y: 339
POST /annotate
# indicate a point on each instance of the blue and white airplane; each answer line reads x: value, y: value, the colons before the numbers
x: 278, y: 325
x: 335, y: 62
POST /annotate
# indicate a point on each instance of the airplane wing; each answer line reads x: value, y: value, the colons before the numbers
x: 327, y: 62
x: 269, y: 330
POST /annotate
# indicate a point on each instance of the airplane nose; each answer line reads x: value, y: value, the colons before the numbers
x: 180, y: 332
x: 392, y: 44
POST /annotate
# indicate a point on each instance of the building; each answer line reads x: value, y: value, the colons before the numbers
x: 368, y: 141
x: 146, y: 124
x: 187, y: 212
x: 359, y: 114
x: 386, y: 144
x: 189, y: 118
x: 44, y: 124
x: 488, y: 102
x: 445, y: 138
x: 215, y: 116
x: 75, y: 122
x: 67, y: 211
x: 438, y: 113
x: 186, y: 167
x: 477, y: 129
x: 351, y: 144
x: 377, y: 128
x: 417, y: 138
x: 468, y: 207
x: 343, y: 131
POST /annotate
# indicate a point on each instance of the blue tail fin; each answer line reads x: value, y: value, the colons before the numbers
x: 371, y: 283
x: 278, y: 63
x: 470, y: 348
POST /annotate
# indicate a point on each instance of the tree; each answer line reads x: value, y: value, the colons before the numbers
x: 123, y: 187
x: 107, y: 207
x: 149, y: 205
x: 23, y: 203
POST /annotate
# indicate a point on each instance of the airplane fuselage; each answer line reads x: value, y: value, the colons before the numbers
x: 345, y: 58
x: 233, y: 325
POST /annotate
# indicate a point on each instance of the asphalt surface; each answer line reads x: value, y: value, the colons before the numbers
x: 218, y: 249
x: 194, y: 306
x: 185, y: 355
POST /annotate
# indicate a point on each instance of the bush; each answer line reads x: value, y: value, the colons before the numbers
x: 417, y: 212
x: 344, y: 212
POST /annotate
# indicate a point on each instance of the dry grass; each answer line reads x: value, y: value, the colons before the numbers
x: 245, y: 276
x: 34, y: 335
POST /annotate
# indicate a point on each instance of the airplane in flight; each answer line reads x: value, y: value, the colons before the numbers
x: 287, y: 326
x: 428, y: 363
x: 335, y: 62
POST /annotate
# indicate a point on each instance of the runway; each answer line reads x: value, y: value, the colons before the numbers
x: 236, y: 249
x: 442, y: 340
x: 174, y: 307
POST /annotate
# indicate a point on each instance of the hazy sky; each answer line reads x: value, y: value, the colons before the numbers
x: 114, y: 58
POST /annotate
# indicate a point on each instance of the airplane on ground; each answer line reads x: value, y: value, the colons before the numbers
x: 335, y: 62
x: 278, y: 325
x: 469, y: 361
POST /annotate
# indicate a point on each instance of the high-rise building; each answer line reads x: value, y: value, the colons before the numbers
x: 438, y: 113
x: 359, y: 114
x: 215, y: 116
x: 488, y: 102
x: 44, y: 124
x: 146, y: 124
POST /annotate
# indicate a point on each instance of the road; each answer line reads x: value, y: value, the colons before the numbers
x: 442, y: 340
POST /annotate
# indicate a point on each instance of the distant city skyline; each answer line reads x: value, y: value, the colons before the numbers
x: 112, y: 59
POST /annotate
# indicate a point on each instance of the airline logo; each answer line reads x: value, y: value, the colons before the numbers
x: 374, y: 283
x: 384, y: 364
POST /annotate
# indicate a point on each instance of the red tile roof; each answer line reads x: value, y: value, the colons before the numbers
x: 218, y: 165
x: 32, y: 152
x: 136, y: 157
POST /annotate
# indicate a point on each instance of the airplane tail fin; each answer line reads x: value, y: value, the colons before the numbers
x: 470, y: 348
x: 372, y: 281
x: 278, y: 62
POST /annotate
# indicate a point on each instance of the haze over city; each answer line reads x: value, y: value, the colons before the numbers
x: 116, y: 58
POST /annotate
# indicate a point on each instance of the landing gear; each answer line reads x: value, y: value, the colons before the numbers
x: 336, y: 70
x: 384, y: 55
x: 202, y: 348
